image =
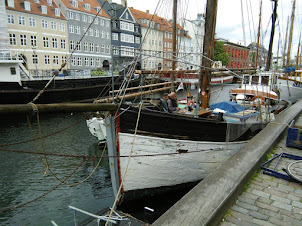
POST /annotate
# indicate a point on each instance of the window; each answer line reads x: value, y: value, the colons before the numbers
x: 54, y: 43
x: 44, y: 24
x: 97, y: 33
x: 107, y: 35
x: 86, y: 61
x: 103, y: 34
x: 70, y: 15
x: 102, y: 48
x: 11, y: 3
x: 12, y: 39
x: 97, y: 62
x: 63, y: 44
x: 45, y: 42
x: 108, y: 49
x: 107, y: 23
x: 57, y: 12
x: 10, y: 19
x: 127, y: 16
x: 49, y: 2
x: 127, y: 51
x: 77, y: 16
x: 79, y: 61
x: 33, y: 41
x: 79, y: 46
x: 97, y: 48
x: 47, y: 59
x: 115, y: 50
x: 85, y: 48
x: 114, y: 36
x: 87, y: 6
x: 35, y: 59
x: 84, y: 18
x: 127, y: 38
x: 96, y: 21
x: 102, y: 22
x: 55, y: 59
x: 21, y: 20
x: 64, y: 59
x: 27, y: 5
x: 127, y: 26
x: 32, y: 22
x: 74, y: 3
x: 89, y: 19
x: 43, y: 9
x: 90, y: 32
x: 78, y: 30
x: 137, y: 40
x: 98, y: 9
x: 23, y: 40
x: 53, y: 25
x: 92, y: 62
x: 71, y: 29
x: 91, y: 47
x: 13, y: 71
x: 72, y: 45
x: 73, y: 61
x: 62, y: 27
x: 84, y: 30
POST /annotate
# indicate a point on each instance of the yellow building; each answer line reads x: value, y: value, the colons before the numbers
x: 38, y: 32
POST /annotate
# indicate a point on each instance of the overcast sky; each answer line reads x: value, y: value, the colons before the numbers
x: 229, y: 18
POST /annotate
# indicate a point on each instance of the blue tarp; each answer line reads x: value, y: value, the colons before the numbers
x: 289, y: 69
x: 228, y: 106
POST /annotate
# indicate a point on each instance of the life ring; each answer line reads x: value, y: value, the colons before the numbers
x: 257, y: 98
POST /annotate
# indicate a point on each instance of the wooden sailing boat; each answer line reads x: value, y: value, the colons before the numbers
x: 290, y: 83
x: 172, y: 149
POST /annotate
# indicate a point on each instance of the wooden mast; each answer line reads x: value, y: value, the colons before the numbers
x: 298, y: 53
x: 291, y: 34
x: 269, y: 56
x: 285, y: 42
x: 208, y: 52
x: 256, y: 59
x: 174, y: 34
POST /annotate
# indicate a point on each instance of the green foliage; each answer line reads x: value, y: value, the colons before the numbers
x: 220, y: 54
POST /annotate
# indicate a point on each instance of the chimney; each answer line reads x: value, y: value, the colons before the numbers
x: 124, y: 3
x: 147, y: 11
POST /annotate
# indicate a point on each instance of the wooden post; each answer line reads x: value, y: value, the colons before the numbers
x: 55, y: 108
x: 208, y: 51
x: 174, y: 34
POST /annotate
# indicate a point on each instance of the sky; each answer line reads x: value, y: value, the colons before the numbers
x: 230, y: 18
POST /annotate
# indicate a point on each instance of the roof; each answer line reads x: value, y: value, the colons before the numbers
x: 93, y: 5
x: 35, y: 8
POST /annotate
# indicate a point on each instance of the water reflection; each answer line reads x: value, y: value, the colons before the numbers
x: 23, y: 178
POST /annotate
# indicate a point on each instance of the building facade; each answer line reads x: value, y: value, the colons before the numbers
x: 89, y: 32
x: 195, y: 30
x: 38, y: 33
x: 126, y: 35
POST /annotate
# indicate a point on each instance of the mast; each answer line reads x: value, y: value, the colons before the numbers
x: 269, y: 56
x: 298, y: 53
x: 208, y: 52
x: 174, y: 34
x: 258, y: 38
x: 286, y: 35
x: 291, y: 34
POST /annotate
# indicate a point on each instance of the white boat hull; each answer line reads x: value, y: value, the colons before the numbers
x: 290, y: 90
x: 156, y: 162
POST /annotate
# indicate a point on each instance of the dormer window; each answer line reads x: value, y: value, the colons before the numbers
x: 49, y: 2
x: 11, y: 3
x: 98, y: 9
x: 27, y: 5
x: 87, y: 6
x: 37, y: 1
x: 57, y: 12
x: 43, y: 9
x: 74, y: 3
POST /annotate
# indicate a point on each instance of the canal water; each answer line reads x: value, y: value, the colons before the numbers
x: 23, y: 179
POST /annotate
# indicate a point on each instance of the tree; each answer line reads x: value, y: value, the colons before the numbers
x: 220, y: 54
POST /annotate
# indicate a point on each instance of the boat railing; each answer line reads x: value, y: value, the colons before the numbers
x: 113, y: 219
x: 8, y: 55
x: 69, y: 74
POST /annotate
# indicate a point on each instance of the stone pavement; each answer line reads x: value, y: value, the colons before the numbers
x: 267, y: 199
